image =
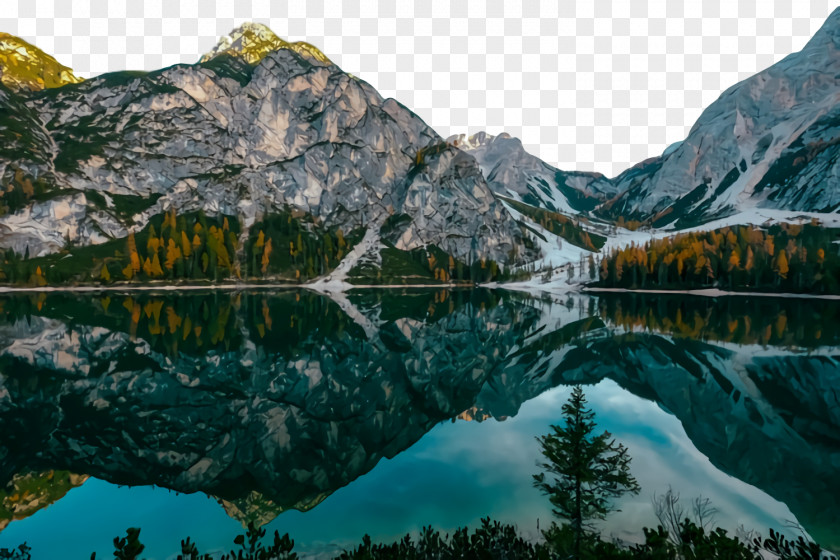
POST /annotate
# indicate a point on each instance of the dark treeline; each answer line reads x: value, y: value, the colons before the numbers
x: 170, y: 247
x: 290, y: 245
x: 781, y: 258
x: 789, y: 322
x: 492, y: 540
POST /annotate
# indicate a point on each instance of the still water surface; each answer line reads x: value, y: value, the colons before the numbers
x: 384, y: 412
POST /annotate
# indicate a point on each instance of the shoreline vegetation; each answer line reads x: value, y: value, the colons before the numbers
x: 786, y: 258
x: 287, y: 247
x: 707, y: 292
x: 290, y: 249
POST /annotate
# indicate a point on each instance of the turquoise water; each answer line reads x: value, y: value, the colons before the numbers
x: 458, y: 473
x: 700, y: 413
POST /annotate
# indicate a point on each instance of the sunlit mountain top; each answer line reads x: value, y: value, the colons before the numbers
x: 252, y: 41
x: 25, y: 66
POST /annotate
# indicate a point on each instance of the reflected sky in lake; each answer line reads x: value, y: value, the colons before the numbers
x: 256, y: 406
x: 456, y: 474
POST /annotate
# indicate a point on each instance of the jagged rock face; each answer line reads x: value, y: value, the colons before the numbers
x: 228, y: 136
x: 463, y: 211
x: 513, y: 172
x: 769, y: 141
x: 46, y: 226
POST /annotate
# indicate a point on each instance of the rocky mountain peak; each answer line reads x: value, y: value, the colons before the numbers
x: 829, y: 33
x: 253, y: 41
x: 767, y: 142
x: 26, y: 67
x: 513, y: 172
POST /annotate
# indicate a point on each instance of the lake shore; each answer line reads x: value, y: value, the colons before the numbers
x: 341, y: 287
x: 315, y: 286
x: 710, y: 292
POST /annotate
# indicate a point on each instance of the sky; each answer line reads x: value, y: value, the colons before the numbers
x: 595, y: 85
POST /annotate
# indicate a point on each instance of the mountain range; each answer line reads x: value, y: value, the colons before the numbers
x: 261, y: 131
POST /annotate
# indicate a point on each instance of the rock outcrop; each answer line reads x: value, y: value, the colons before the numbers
x: 767, y: 142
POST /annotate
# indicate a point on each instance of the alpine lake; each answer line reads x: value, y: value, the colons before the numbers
x: 383, y: 411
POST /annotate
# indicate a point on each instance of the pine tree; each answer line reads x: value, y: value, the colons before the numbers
x: 186, y: 248
x: 584, y: 470
x: 173, y: 253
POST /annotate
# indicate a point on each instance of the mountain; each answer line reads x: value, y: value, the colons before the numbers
x: 28, y: 68
x: 511, y: 171
x: 264, y: 160
x: 253, y: 41
x: 769, y: 141
x: 766, y: 152
x: 259, y: 129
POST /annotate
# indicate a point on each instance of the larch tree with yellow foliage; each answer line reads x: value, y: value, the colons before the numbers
x: 782, y: 265
x: 265, y: 256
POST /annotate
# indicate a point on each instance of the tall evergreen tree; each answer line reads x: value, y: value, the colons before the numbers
x: 583, y: 471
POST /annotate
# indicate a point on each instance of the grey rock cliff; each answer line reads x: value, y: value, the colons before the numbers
x: 233, y: 137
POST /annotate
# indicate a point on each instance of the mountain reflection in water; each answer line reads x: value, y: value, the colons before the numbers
x: 273, y: 401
